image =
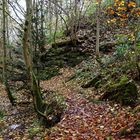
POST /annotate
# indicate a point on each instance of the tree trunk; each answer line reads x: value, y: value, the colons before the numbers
x: 37, y: 99
x: 97, y: 28
x: 5, y: 81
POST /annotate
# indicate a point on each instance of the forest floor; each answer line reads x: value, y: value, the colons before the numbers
x: 85, y: 120
x: 81, y: 120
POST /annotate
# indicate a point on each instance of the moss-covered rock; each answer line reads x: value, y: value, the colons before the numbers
x: 123, y: 91
x: 58, y: 57
x: 95, y: 82
x: 54, y: 106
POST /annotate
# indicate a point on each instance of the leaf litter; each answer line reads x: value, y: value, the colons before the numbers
x: 81, y: 120
x: 85, y: 120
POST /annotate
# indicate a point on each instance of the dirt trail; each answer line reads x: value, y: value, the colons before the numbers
x: 84, y: 120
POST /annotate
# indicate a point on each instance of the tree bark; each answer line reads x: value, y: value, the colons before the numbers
x: 5, y: 81
x: 98, y: 27
x: 37, y: 99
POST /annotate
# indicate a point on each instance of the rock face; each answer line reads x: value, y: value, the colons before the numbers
x: 124, y: 91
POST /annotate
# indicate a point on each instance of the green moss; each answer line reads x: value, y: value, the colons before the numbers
x: 123, y: 79
x: 123, y: 91
x: 55, y: 103
x: 48, y: 72
x: 114, y: 84
x: 1, y: 114
x: 136, y: 109
x: 95, y: 101
x: 108, y: 138
x: 33, y: 131
x: 55, y: 106
x: 59, y: 57
x: 94, y: 82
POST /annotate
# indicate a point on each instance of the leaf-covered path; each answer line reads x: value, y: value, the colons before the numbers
x: 84, y: 120
x: 81, y: 120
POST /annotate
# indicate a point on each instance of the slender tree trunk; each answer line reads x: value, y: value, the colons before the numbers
x: 5, y: 81
x: 50, y: 16
x: 98, y: 28
x: 37, y: 99
x: 36, y: 27
x: 56, y: 22
x: 42, y: 27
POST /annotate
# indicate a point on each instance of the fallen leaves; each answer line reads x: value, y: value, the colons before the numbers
x: 84, y: 120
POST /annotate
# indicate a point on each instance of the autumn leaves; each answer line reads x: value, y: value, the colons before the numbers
x: 122, y: 11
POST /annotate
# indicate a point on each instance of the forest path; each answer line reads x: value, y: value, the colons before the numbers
x: 81, y: 120
x: 84, y: 120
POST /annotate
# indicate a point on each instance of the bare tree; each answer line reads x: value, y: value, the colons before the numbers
x: 98, y: 3
x: 5, y: 81
x: 37, y: 99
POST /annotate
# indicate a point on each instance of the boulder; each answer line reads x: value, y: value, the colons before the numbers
x: 123, y: 91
